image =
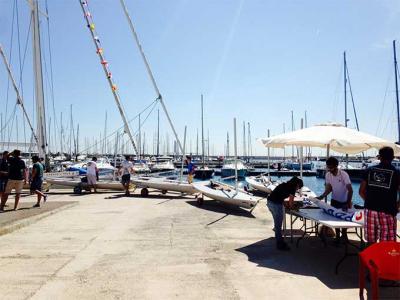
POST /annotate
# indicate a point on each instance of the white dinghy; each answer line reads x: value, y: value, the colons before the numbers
x: 78, y: 185
x: 226, y: 193
x: 261, y: 183
x: 162, y: 184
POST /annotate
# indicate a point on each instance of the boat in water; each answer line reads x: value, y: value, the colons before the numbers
x: 228, y: 169
x: 161, y: 164
x: 141, y: 166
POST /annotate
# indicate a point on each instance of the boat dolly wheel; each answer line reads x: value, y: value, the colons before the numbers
x: 144, y: 192
x: 200, y: 200
x: 77, y: 190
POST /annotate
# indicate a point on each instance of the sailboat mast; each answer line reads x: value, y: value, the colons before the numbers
x: 140, y: 139
x: 77, y: 141
x: 105, y: 135
x: 61, y: 136
x: 345, y: 99
x: 158, y: 132
x: 235, y: 143
x: 19, y: 100
x: 244, y: 139
x: 39, y: 94
x: 202, y: 131
x: 292, y: 130
x: 248, y: 139
x: 227, y: 144
x: 345, y: 88
x: 397, y: 90
x: 99, y: 51
x: 159, y: 96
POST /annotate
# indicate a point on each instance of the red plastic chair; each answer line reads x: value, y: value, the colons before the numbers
x: 383, y: 262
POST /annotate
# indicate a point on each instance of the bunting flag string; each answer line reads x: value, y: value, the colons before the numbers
x: 104, y: 63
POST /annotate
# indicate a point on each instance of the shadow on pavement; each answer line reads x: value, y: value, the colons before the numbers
x: 311, y: 258
x: 218, y: 207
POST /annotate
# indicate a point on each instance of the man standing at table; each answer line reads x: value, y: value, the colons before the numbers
x: 379, y: 189
x: 338, y: 183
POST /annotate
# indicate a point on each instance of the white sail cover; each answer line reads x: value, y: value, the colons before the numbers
x: 339, y: 138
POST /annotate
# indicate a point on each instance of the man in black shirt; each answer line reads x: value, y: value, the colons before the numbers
x: 275, y: 205
x: 16, y: 178
x: 379, y: 189
x: 3, y: 172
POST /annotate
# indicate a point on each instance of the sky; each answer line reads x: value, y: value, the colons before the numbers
x: 253, y: 60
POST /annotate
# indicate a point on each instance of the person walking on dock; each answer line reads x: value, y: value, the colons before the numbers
x: 191, y: 168
x: 16, y: 179
x: 379, y: 189
x: 91, y: 174
x: 338, y: 183
x: 37, y: 180
x: 3, y: 172
x: 126, y: 170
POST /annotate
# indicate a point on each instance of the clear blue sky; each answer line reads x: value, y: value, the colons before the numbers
x: 253, y: 60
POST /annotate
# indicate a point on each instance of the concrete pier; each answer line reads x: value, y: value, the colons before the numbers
x: 109, y: 246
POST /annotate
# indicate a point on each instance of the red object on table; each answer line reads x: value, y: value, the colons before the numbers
x: 383, y: 262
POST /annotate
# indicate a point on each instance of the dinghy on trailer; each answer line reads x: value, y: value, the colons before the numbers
x: 261, y: 183
x: 78, y: 186
x: 162, y: 184
x: 225, y: 193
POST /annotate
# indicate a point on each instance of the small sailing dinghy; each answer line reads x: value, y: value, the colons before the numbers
x: 162, y: 184
x: 226, y: 193
x: 261, y: 183
x: 78, y: 185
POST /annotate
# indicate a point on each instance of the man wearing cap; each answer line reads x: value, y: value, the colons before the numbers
x: 379, y: 189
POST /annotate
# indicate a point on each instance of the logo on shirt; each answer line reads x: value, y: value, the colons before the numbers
x: 380, y: 178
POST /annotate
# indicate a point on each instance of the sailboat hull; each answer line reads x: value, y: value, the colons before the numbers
x: 203, y: 173
x: 231, y: 172
x: 225, y: 194
x: 164, y: 184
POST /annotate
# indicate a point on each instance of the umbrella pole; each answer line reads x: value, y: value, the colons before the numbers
x: 327, y: 156
x: 183, y: 155
x: 301, y: 154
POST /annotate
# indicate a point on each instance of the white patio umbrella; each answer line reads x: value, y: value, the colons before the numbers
x: 331, y: 136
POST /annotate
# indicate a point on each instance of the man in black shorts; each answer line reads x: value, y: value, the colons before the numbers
x: 16, y: 178
x: 37, y: 180
x: 126, y: 170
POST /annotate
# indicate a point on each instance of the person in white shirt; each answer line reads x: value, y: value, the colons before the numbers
x: 338, y: 183
x: 91, y: 174
x: 126, y: 170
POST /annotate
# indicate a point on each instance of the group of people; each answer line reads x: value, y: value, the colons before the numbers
x: 379, y: 189
x: 125, y: 171
x: 14, y: 174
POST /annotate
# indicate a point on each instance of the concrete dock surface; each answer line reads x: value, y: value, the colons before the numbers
x: 109, y: 246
